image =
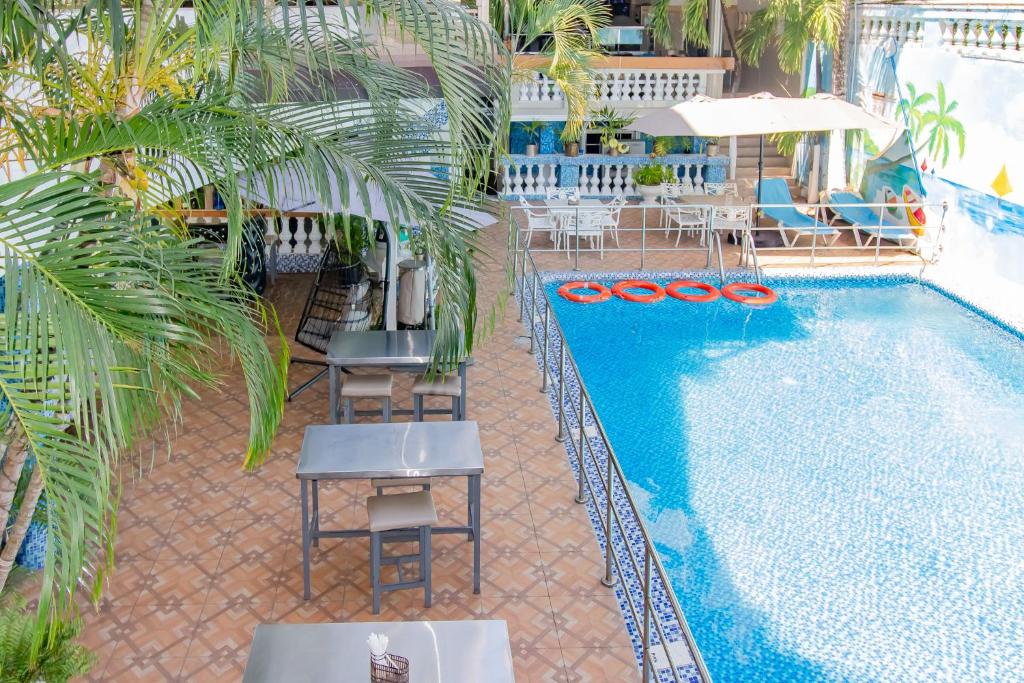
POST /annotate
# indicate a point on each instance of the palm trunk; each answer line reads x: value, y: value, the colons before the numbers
x: 10, y: 473
x: 20, y: 528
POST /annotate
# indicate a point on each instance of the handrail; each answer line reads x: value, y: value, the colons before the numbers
x: 612, y: 479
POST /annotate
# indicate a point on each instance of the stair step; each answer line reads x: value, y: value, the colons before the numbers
x: 751, y: 162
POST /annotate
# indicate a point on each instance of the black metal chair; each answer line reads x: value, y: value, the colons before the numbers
x: 338, y: 300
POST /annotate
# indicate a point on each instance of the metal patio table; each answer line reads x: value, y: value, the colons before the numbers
x: 380, y: 348
x: 438, y: 651
x: 387, y: 451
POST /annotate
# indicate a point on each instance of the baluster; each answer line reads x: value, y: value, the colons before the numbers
x: 615, y: 95
x: 519, y: 181
x: 315, y: 238
x: 506, y: 179
x: 698, y: 178
x: 552, y: 180
x: 287, y: 226
x: 628, y: 186
x: 603, y: 180
x: 658, y: 92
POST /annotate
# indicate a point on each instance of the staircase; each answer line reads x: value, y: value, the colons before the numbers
x: 775, y: 165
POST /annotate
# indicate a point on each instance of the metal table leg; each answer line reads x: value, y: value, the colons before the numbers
x: 316, y: 514
x: 462, y: 398
x: 474, y: 488
x: 304, y: 491
x: 332, y: 373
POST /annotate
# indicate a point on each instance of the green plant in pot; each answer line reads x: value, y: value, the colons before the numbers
x: 610, y: 123
x: 649, y: 180
x: 533, y: 129
x: 351, y: 240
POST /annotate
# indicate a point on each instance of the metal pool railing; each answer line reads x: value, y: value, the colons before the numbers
x: 647, y: 593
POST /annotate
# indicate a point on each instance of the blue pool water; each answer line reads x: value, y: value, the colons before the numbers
x: 835, y: 483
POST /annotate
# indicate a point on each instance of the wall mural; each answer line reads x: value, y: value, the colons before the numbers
x: 964, y: 145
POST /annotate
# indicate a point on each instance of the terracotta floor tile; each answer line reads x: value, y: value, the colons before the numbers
x: 212, y: 670
x: 160, y: 632
x: 564, y: 531
x: 538, y: 666
x: 293, y: 609
x: 225, y: 631
x: 575, y: 573
x: 590, y: 621
x: 601, y: 665
x: 247, y: 578
x: 179, y: 583
x: 531, y: 623
x: 143, y: 669
x: 191, y: 540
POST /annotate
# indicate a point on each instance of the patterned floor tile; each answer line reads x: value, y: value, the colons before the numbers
x: 225, y: 631
x: 590, y: 621
x: 249, y: 577
x: 531, y: 623
x: 601, y: 665
x: 179, y: 583
x: 160, y: 632
x: 538, y: 666
x: 575, y: 574
x: 212, y: 670
x: 143, y: 669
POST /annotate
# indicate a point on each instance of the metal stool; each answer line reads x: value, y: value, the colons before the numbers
x: 396, y: 518
x: 441, y: 386
x: 366, y: 386
x: 381, y: 484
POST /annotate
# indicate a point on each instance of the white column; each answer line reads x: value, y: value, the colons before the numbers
x: 733, y: 152
x: 715, y: 28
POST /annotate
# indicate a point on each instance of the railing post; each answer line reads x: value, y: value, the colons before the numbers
x: 580, y: 494
x: 533, y: 310
x: 522, y: 289
x: 561, y: 391
x: 577, y: 266
x: 878, y: 237
x: 646, y: 651
x: 514, y: 226
x: 814, y: 237
x: 608, y: 579
x: 643, y: 237
x: 544, y: 353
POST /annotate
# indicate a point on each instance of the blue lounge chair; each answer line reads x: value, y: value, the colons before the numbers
x: 776, y: 191
x: 852, y: 209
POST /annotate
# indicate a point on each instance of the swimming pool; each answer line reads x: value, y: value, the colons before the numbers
x: 835, y: 483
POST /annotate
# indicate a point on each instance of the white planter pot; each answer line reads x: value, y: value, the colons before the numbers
x: 649, y: 192
x: 531, y: 150
x: 711, y: 150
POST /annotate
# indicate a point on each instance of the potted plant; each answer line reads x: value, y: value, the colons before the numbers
x: 711, y: 146
x: 533, y: 130
x: 649, y: 179
x: 610, y: 123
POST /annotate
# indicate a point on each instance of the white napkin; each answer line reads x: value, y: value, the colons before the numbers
x: 378, y: 643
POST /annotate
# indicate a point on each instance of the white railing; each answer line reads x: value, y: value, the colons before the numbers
x: 619, y: 86
x: 601, y: 175
x: 823, y: 243
x: 991, y: 33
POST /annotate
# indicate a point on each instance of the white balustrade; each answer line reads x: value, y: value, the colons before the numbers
x: 602, y: 177
x: 298, y: 235
x: 623, y: 86
x: 992, y: 33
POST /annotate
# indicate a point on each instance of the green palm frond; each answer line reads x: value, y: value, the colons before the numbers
x: 107, y: 323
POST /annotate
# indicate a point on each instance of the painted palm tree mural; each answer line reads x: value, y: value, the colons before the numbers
x: 932, y: 123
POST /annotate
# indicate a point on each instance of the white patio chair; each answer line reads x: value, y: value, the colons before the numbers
x: 538, y: 221
x: 588, y: 224
x: 692, y: 219
x: 571, y: 194
x: 669, y: 193
x: 611, y: 217
x: 731, y: 218
x: 722, y: 189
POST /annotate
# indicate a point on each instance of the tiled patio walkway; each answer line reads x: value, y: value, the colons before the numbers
x: 206, y: 552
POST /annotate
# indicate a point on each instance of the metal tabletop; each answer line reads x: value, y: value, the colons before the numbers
x: 380, y: 347
x: 395, y: 449
x: 438, y: 651
x: 566, y: 204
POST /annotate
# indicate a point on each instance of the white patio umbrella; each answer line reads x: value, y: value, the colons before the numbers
x: 761, y: 114
x: 293, y: 191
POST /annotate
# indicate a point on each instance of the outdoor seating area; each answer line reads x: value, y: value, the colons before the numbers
x: 207, y: 552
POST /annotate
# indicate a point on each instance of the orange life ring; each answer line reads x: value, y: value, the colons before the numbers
x: 657, y: 293
x: 733, y: 289
x: 710, y: 293
x: 603, y: 293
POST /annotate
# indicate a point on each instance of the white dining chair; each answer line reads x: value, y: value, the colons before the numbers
x: 537, y: 220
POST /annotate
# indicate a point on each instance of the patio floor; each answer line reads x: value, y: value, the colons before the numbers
x: 205, y: 551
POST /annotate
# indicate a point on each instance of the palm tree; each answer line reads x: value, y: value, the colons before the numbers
x: 939, y: 126
x: 913, y: 105
x: 112, y: 312
x: 790, y: 25
x: 568, y: 32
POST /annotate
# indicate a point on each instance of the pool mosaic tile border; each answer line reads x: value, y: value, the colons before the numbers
x: 623, y: 548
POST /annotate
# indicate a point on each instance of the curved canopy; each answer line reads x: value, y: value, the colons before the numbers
x: 760, y: 114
